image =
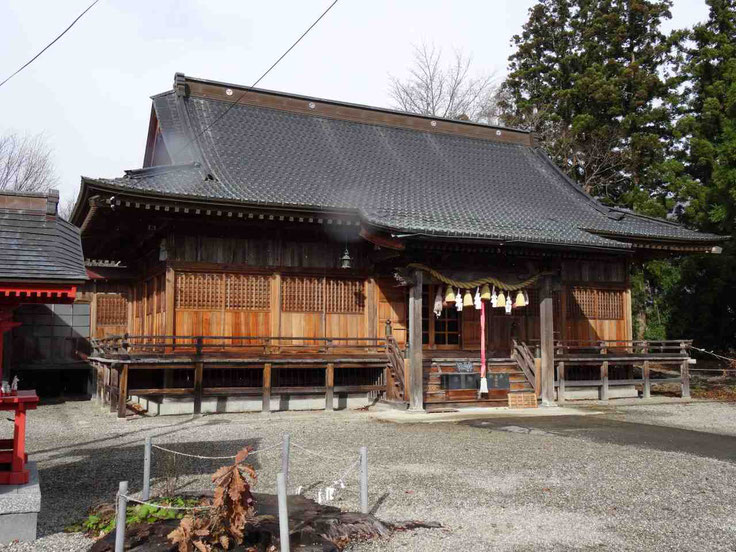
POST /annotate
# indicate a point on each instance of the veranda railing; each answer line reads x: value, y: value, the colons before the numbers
x: 368, y: 362
x: 591, y: 363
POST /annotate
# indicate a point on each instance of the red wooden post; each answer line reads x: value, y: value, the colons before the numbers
x: 19, y: 440
x: 14, y: 452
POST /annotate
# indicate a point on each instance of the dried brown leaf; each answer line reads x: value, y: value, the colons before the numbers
x: 242, y: 455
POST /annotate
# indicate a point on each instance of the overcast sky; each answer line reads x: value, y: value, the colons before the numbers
x: 89, y: 94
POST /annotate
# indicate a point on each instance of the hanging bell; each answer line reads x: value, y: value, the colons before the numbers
x: 520, y: 302
x: 476, y: 299
x: 449, y: 295
x: 501, y: 300
x: 485, y: 293
x: 459, y: 300
x: 494, y: 298
x: 467, y: 299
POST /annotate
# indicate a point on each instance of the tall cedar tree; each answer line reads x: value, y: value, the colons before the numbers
x: 590, y: 78
x: 703, y: 300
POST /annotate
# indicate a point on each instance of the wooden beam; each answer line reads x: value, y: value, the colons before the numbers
x: 122, y: 391
x: 416, y: 383
x: 198, y: 375
x: 93, y: 312
x: 546, y: 330
x: 169, y: 302
x: 266, y: 407
x: 330, y: 384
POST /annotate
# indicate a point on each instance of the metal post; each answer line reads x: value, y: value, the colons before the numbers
x: 285, y: 449
x: 120, y: 517
x: 364, y: 480
x: 283, y: 512
x: 146, y: 494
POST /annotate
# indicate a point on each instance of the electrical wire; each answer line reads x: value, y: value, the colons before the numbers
x: 275, y: 63
x: 50, y: 43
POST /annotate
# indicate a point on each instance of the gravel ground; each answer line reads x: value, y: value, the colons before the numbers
x: 492, y: 490
x: 712, y: 417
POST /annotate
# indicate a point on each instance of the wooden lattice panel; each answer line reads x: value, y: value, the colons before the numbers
x: 247, y: 292
x: 344, y: 296
x: 112, y: 310
x: 610, y: 304
x: 199, y: 290
x: 595, y: 304
x: 302, y: 294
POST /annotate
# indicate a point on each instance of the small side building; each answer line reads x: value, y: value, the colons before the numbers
x: 41, y: 269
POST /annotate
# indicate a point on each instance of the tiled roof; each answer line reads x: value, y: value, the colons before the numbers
x: 401, y: 179
x: 36, y: 246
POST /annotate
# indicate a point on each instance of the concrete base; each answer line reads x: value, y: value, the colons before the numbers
x: 167, y: 406
x: 19, y: 507
x: 591, y: 393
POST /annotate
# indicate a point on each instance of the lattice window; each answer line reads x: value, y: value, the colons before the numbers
x: 247, y: 292
x: 112, y: 310
x: 595, y: 304
x: 610, y: 304
x: 302, y: 294
x: 195, y: 290
x: 345, y: 296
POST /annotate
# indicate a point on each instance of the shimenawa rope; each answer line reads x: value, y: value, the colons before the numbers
x: 479, y: 282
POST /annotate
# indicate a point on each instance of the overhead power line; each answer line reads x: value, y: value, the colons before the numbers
x: 259, y: 79
x: 50, y: 43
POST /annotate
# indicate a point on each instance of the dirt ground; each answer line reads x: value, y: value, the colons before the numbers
x: 646, y: 477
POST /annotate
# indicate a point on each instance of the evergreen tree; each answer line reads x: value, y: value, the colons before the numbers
x: 591, y: 78
x: 704, y: 301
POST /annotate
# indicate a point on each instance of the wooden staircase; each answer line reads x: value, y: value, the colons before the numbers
x: 436, y: 398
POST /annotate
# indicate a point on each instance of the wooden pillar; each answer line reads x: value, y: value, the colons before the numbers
x: 561, y: 382
x: 93, y: 312
x: 647, y: 384
x: 604, y: 381
x: 416, y: 383
x: 114, y: 387
x: 122, y: 391
x: 198, y: 376
x: 266, y: 387
x: 329, y: 386
x: 546, y: 330
x: 685, y: 374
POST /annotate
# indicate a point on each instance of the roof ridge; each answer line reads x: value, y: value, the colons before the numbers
x: 182, y: 78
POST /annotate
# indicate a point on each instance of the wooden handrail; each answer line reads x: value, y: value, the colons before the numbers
x: 524, y: 359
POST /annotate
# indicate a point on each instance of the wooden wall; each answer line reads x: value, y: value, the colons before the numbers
x: 256, y: 285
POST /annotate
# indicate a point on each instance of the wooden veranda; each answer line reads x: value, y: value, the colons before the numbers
x: 214, y: 366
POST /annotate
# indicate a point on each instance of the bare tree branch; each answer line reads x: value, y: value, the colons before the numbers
x: 26, y: 163
x: 448, y: 92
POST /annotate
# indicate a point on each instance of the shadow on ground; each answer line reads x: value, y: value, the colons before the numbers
x: 603, y: 430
